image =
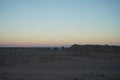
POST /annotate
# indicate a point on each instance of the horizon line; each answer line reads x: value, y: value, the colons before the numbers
x: 55, y: 45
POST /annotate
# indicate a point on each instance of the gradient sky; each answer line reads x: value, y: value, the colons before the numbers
x: 59, y: 22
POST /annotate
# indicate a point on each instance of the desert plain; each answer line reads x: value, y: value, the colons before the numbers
x: 58, y: 64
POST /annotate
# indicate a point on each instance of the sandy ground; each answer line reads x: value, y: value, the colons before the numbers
x: 58, y: 65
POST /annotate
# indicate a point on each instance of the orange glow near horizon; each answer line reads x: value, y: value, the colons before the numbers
x: 39, y: 40
x: 52, y: 42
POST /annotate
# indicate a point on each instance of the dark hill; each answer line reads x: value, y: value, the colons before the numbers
x: 95, y: 48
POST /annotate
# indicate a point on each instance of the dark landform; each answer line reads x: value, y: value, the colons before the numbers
x: 77, y: 62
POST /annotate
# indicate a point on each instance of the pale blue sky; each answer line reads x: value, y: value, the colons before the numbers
x: 59, y: 22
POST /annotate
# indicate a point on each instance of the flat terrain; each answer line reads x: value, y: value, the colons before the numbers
x: 45, y: 64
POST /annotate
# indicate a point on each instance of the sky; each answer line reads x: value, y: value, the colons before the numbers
x: 59, y: 22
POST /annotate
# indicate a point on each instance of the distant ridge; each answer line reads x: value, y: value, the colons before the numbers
x: 95, y: 48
